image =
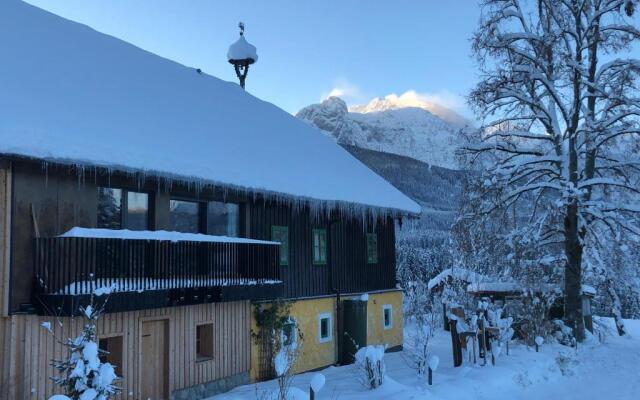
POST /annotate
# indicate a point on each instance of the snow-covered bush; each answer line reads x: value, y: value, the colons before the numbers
x: 424, y: 317
x: 370, y: 361
x: 535, y: 316
x: 562, y: 333
x: 288, y: 349
x: 83, y: 375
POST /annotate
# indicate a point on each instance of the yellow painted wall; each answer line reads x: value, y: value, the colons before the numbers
x: 376, y: 334
x: 314, y: 354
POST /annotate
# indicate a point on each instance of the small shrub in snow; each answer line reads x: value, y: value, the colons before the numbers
x: 562, y: 333
x: 370, y: 361
x: 83, y: 375
x: 422, y: 312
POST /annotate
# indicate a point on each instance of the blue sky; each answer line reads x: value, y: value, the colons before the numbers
x: 307, y: 49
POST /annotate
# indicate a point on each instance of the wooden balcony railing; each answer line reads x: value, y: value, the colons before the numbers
x: 79, y: 266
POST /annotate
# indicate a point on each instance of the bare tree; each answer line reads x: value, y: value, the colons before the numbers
x: 560, y: 109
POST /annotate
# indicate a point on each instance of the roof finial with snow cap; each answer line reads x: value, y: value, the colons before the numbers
x: 241, y: 54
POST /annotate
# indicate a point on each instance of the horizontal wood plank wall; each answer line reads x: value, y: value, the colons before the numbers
x: 27, y: 348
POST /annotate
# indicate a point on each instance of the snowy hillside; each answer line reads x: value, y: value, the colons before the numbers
x: 392, y: 125
x: 436, y: 189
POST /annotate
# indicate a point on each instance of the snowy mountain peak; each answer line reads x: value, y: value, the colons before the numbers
x: 395, y: 124
x: 411, y: 99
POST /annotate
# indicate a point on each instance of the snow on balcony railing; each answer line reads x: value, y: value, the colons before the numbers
x: 82, y: 260
x: 170, y: 236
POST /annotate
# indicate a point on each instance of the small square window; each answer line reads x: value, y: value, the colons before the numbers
x: 319, y: 246
x: 111, y: 352
x: 281, y: 234
x: 387, y: 316
x: 204, y: 342
x: 325, y: 328
x: 372, y: 248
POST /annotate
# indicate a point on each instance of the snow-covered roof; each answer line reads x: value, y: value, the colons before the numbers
x: 457, y: 273
x: 72, y: 95
x: 499, y: 287
x: 242, y: 50
x: 156, y: 235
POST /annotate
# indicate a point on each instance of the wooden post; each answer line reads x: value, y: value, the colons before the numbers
x: 474, y: 349
x: 455, y: 344
x: 430, y: 376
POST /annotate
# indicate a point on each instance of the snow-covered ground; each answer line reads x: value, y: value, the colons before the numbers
x: 594, y: 371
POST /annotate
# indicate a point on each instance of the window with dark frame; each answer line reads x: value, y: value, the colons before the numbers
x: 111, y: 352
x: 184, y: 216
x: 122, y: 209
x: 223, y: 219
x: 319, y: 246
x: 204, y: 342
x: 372, y: 248
x: 281, y: 234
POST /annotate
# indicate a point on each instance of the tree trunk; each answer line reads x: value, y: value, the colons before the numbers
x: 573, y: 274
x: 616, y: 307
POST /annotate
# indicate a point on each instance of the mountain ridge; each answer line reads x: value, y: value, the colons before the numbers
x: 388, y: 126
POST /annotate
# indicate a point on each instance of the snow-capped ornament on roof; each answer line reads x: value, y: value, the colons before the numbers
x: 241, y: 54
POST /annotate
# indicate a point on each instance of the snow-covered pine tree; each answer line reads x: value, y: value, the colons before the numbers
x: 83, y: 375
x: 560, y: 102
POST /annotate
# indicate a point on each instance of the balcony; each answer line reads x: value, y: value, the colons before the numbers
x: 139, y: 273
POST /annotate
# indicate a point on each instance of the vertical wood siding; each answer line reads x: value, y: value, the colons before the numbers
x: 5, y: 221
x: 27, y: 348
x: 347, y: 258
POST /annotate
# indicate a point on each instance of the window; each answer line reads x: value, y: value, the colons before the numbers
x: 223, y: 219
x: 289, y: 333
x: 204, y: 342
x: 137, y: 211
x: 111, y: 351
x: 122, y: 209
x: 372, y: 248
x: 319, y: 246
x: 184, y: 216
x: 387, y: 316
x: 325, y: 328
x: 281, y: 234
